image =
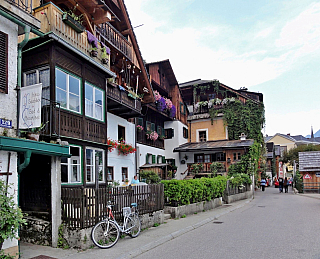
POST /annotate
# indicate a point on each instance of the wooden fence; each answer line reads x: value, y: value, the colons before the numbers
x: 84, y: 207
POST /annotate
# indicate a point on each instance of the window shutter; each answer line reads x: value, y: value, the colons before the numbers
x: 162, y: 131
x: 140, y: 121
x: 3, y: 63
x: 153, y: 127
x: 153, y: 159
x: 163, y: 159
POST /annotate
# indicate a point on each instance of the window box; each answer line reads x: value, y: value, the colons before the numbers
x: 67, y: 19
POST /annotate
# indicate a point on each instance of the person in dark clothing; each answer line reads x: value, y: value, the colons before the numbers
x: 263, y: 184
x: 280, y: 184
x: 285, y: 184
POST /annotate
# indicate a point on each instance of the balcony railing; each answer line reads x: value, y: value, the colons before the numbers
x: 108, y: 34
x: 121, y: 98
x: 206, y: 167
x: 143, y: 139
x: 50, y: 17
x: 25, y: 5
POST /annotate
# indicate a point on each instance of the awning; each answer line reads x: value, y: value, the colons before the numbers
x: 153, y: 165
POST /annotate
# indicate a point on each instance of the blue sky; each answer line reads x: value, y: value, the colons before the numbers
x: 272, y: 47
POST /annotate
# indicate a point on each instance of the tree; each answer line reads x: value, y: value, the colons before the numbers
x: 293, y: 154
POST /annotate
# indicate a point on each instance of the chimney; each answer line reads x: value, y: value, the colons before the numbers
x: 242, y: 137
x: 288, y: 134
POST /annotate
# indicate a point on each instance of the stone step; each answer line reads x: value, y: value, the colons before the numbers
x: 167, y: 216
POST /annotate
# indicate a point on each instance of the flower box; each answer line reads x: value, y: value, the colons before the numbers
x: 67, y: 19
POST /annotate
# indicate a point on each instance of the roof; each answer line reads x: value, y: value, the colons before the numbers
x: 153, y: 165
x: 214, y: 145
x: 309, y: 161
x: 281, y: 135
x: 168, y: 70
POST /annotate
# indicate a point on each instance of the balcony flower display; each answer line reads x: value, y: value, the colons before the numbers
x: 173, y: 111
x: 196, y: 168
x: 139, y: 127
x: 125, y: 148
x: 161, y: 104
x: 157, y: 96
x: 153, y: 135
x: 112, y: 144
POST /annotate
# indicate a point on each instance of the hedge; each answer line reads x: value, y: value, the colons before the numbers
x: 182, y: 192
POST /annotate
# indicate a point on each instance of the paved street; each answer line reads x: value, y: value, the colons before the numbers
x: 273, y: 225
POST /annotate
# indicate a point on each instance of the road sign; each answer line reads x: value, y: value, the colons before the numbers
x: 307, y: 176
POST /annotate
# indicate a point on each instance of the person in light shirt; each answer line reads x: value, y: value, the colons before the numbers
x: 135, y: 180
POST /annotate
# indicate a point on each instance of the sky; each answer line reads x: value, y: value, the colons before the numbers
x: 268, y: 46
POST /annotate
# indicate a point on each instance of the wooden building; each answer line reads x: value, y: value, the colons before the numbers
x: 309, y: 167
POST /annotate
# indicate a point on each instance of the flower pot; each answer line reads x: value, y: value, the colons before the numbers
x: 105, y: 61
x: 33, y: 136
x: 67, y: 19
x: 94, y: 53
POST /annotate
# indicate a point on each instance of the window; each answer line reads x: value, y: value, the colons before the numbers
x: 36, y: 76
x: 150, y: 126
x: 169, y: 133
x: 71, y: 167
x: 207, y: 158
x: 94, y: 102
x: 234, y: 156
x: 239, y: 156
x: 160, y: 131
x: 202, y: 136
x: 68, y: 91
x: 185, y: 132
x: 110, y: 175
x: 91, y: 156
x: 124, y: 171
x: 121, y: 133
x: 3, y: 63
x: 198, y: 158
x: 221, y: 156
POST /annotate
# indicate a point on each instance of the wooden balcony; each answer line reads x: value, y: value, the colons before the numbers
x: 119, y: 103
x: 50, y: 17
x: 206, y: 168
x: 25, y: 5
x: 142, y: 139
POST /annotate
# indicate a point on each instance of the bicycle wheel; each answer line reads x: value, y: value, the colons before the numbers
x: 105, y: 234
x: 134, y: 222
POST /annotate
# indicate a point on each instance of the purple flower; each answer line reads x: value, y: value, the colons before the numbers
x: 161, y: 105
x: 173, y: 111
x: 92, y: 40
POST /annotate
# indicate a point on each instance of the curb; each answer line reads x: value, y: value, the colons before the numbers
x: 178, y: 233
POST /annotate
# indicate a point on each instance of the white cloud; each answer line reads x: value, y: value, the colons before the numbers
x: 264, y: 33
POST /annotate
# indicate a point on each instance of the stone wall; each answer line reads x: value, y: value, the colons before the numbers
x: 177, y: 212
x: 237, y: 197
x: 37, y: 231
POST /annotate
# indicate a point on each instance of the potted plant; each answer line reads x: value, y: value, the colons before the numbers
x: 34, y: 133
x: 94, y: 52
x: 140, y: 128
x: 125, y: 148
x: 93, y: 41
x: 73, y: 20
x: 11, y: 215
x: 105, y: 52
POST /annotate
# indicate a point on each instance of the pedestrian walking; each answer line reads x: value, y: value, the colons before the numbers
x: 263, y: 184
x: 285, y: 184
x: 280, y: 184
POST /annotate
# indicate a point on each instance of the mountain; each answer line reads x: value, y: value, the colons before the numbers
x: 316, y: 135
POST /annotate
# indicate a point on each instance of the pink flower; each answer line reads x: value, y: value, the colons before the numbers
x: 168, y: 103
x: 157, y: 96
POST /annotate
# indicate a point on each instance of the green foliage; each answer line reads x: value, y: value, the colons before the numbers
x: 293, y: 154
x: 182, y: 192
x: 184, y: 216
x: 156, y: 224
x: 6, y: 256
x: 196, y: 168
x: 238, y: 180
x: 215, y: 167
x: 245, y: 118
x: 150, y: 176
x: 62, y: 242
x: 11, y: 215
x: 298, y: 182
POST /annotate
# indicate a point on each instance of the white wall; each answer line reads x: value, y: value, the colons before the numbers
x: 143, y: 150
x: 13, y: 179
x: 171, y: 144
x: 8, y: 102
x: 119, y: 161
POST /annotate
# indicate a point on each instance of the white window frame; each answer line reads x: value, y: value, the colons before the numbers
x: 198, y: 130
x: 94, y: 102
x: 94, y: 165
x: 67, y: 90
x: 69, y: 165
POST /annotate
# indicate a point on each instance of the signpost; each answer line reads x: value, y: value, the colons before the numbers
x: 307, y: 176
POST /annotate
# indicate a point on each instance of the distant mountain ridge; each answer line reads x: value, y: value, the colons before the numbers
x: 316, y: 135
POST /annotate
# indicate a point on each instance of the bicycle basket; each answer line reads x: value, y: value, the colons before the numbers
x: 126, y: 211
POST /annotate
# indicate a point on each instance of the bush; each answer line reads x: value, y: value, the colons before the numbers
x: 149, y: 176
x: 237, y: 180
x: 182, y: 192
x: 10, y: 214
x: 298, y: 182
